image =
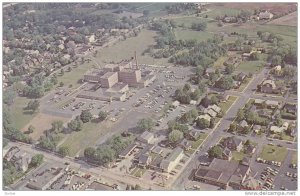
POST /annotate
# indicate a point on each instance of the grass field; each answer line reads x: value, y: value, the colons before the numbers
x: 125, y: 50
x: 90, y: 133
x: 42, y: 122
x: 186, y: 34
x: 226, y: 105
x: 18, y: 116
x: 273, y: 153
x: 251, y: 66
x: 221, y: 11
x: 237, y: 156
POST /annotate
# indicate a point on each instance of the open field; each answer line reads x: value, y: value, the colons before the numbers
x: 273, y: 153
x: 89, y: 134
x: 272, y: 7
x: 186, y: 34
x: 196, y: 144
x: 219, y: 63
x: 42, y: 122
x: 18, y: 115
x: 288, y: 20
x: 125, y: 50
x: 250, y: 66
x: 219, y: 10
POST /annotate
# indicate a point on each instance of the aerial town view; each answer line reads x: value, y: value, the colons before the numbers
x: 149, y: 96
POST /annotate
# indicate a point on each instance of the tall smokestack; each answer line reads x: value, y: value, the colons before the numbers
x: 136, y: 61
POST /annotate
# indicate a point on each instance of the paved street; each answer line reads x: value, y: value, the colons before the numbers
x: 225, y: 122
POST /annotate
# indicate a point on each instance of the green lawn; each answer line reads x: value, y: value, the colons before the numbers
x: 90, y: 133
x: 273, y: 153
x: 186, y: 34
x: 134, y: 170
x: 221, y: 11
x: 237, y: 156
x: 139, y: 172
x: 244, y: 84
x: 196, y: 144
x: 294, y: 158
x: 219, y: 62
x: 226, y: 105
x: 19, y: 117
x: 251, y: 66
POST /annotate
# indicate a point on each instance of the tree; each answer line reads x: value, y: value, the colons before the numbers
x: 225, y: 82
x: 215, y: 152
x: 146, y: 13
x: 102, y: 115
x: 186, y: 88
x: 247, y: 143
x: 85, y: 116
x: 64, y: 151
x: 33, y: 105
x: 240, y: 115
x: 174, y: 136
x: 200, y: 26
x: 214, y: 99
x: 69, y: 69
x: 75, y: 125
x: 62, y: 72
x: 30, y: 129
x: 254, y: 56
x: 203, y: 123
x: 37, y: 160
x: 9, y: 96
x: 233, y: 127
x: 196, y: 94
x: 229, y: 69
x: 61, y: 84
x: 89, y: 152
x: 57, y: 126
x: 276, y: 60
x: 146, y: 124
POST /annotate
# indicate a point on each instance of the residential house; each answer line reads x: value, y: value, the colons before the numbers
x: 251, y: 184
x: 291, y: 108
x: 236, y: 84
x: 157, y: 150
x: 11, y: 152
x: 258, y: 102
x: 246, y: 161
x: 210, y: 112
x: 268, y: 86
x: 249, y: 149
x: 243, y: 125
x: 126, y: 152
x: 232, y: 143
x: 276, y: 129
x: 175, y: 104
x: 265, y: 15
x: 214, y: 107
x: 194, y: 135
x: 256, y: 128
x: 209, y: 71
x: 169, y: 163
x: 185, y: 144
x: 146, y: 137
x: 227, y: 154
x: 241, y: 76
x: 272, y: 104
x: 144, y: 160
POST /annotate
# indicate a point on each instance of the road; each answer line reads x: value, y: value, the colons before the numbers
x: 83, y: 166
x: 225, y: 122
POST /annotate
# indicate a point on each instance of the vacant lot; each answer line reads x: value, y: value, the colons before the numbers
x: 288, y: 20
x: 273, y: 153
x: 18, y: 115
x: 90, y: 133
x: 251, y: 66
x: 42, y: 122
